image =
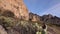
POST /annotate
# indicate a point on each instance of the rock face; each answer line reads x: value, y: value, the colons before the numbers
x: 51, y: 19
x: 15, y: 6
x: 34, y: 17
x: 45, y: 18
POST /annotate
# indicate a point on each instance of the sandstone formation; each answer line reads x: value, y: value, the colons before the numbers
x: 45, y: 18
x: 16, y: 6
x: 34, y: 17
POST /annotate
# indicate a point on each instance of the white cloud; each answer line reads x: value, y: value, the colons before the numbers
x: 55, y: 10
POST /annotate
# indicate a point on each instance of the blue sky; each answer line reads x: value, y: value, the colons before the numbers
x: 42, y: 7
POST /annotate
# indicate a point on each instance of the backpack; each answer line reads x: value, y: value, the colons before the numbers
x: 38, y: 32
x: 42, y: 32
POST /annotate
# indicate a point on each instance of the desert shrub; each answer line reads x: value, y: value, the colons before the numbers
x: 22, y: 26
x: 8, y: 13
x: 7, y: 21
x: 31, y: 27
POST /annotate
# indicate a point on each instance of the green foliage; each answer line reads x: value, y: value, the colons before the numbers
x: 28, y: 26
x: 7, y: 21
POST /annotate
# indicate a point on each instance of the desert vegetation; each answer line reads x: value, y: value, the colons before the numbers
x: 14, y: 25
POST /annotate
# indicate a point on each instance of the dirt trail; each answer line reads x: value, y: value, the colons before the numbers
x: 53, y: 30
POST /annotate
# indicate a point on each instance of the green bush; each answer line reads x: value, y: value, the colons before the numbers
x: 19, y: 25
x: 7, y: 21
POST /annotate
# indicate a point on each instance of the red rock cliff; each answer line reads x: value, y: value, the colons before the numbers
x: 16, y: 6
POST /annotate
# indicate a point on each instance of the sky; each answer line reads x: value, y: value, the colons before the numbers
x: 42, y: 7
